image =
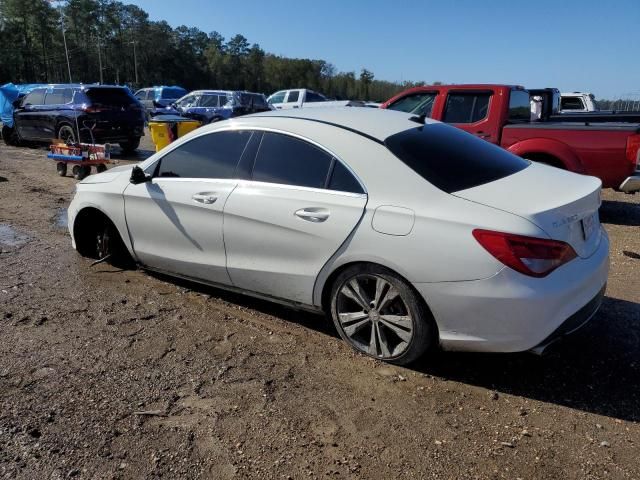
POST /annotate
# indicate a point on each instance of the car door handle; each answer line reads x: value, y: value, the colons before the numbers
x: 482, y: 134
x: 315, y: 215
x: 207, y: 198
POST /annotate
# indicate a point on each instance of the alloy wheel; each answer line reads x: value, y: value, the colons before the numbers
x: 374, y: 316
x: 66, y: 134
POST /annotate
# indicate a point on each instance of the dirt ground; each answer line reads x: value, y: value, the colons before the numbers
x: 120, y: 374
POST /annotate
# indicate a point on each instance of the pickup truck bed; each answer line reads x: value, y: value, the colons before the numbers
x: 606, y: 146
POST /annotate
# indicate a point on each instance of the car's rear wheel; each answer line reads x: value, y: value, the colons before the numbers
x: 66, y: 134
x: 379, y: 314
x: 130, y: 145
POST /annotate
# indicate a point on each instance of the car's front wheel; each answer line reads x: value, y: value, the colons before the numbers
x: 10, y: 136
x: 130, y: 145
x: 378, y: 313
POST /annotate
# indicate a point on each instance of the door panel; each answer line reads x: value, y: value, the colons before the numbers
x: 176, y: 225
x: 279, y: 237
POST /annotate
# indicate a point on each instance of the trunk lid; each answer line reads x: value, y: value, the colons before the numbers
x: 563, y: 204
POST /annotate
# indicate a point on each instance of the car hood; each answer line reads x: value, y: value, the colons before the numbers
x: 563, y: 204
x: 109, y: 175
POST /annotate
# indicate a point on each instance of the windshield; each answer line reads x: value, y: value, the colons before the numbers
x: 419, y: 104
x: 172, y: 92
x: 452, y: 159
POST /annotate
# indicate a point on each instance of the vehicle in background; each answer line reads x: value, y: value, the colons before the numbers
x: 410, y: 235
x: 606, y: 146
x: 303, y: 97
x: 156, y: 98
x: 89, y: 113
x: 209, y: 106
x: 578, y: 102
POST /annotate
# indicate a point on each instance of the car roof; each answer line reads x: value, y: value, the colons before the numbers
x: 372, y: 122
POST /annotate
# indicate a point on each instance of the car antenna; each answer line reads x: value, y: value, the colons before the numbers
x: 419, y: 118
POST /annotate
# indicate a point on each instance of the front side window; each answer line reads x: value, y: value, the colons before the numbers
x: 208, y: 100
x: 35, y: 98
x: 277, y: 97
x: 293, y: 96
x: 187, y: 102
x: 571, y: 103
x: 141, y: 95
x: 466, y: 107
x: 451, y: 159
x: 519, y: 106
x: 214, y: 155
x: 291, y: 161
x: 419, y: 104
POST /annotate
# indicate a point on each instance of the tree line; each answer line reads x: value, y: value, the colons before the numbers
x: 112, y: 42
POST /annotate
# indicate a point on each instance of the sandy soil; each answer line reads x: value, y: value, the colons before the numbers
x: 120, y: 374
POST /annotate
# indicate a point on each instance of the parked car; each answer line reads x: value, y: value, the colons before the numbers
x: 303, y: 97
x: 578, y: 102
x: 213, y: 105
x: 606, y: 146
x: 70, y: 112
x: 409, y: 234
x: 155, y: 99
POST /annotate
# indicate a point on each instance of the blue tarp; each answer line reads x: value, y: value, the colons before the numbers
x: 8, y: 94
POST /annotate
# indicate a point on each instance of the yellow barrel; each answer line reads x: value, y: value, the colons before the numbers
x: 165, y: 129
x: 160, y: 134
x: 186, y: 126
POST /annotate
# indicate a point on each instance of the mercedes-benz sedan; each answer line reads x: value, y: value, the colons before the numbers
x: 410, y: 233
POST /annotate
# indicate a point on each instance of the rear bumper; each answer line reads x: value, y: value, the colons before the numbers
x: 631, y: 184
x: 511, y: 312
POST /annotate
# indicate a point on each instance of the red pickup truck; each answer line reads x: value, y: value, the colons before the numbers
x: 605, y: 146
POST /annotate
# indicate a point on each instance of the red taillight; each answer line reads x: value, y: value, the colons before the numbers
x: 633, y: 150
x: 536, y: 257
x: 91, y: 109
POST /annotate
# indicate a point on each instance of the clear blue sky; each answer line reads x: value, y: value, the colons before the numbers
x: 589, y: 45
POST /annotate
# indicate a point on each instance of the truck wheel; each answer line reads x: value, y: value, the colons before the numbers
x: 61, y: 168
x: 66, y: 134
x: 130, y: 145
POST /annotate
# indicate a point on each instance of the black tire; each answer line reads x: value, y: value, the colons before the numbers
x: 101, y: 168
x: 98, y: 238
x: 84, y: 172
x: 67, y: 134
x: 61, y: 168
x: 130, y: 145
x: 75, y: 171
x: 418, y: 331
x: 10, y: 136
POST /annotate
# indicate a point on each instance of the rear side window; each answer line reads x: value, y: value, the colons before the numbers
x: 293, y: 96
x: 215, y: 155
x: 343, y: 180
x: 519, y: 106
x: 466, y: 107
x: 54, y: 97
x: 571, y: 103
x: 209, y: 100
x: 35, y: 98
x: 419, y: 104
x: 291, y: 161
x: 452, y: 159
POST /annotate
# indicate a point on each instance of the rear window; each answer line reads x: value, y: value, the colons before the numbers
x: 110, y: 96
x: 172, y: 93
x: 451, y: 159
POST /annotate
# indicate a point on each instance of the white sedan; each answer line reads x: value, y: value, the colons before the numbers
x: 410, y: 233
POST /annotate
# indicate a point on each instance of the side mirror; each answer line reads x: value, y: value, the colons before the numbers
x: 138, y: 176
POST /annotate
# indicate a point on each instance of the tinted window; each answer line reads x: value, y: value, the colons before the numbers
x: 519, y: 106
x: 109, y: 96
x: 343, y: 180
x: 209, y: 156
x: 293, y: 96
x: 253, y: 100
x: 452, y: 159
x: 571, y: 103
x: 35, y: 98
x: 420, y: 104
x: 466, y: 107
x: 288, y: 160
x: 172, y: 93
x: 209, y: 100
x: 54, y: 97
x: 277, y: 97
x: 314, y: 97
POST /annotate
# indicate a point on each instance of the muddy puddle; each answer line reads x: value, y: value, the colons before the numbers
x: 10, y: 238
x: 61, y: 219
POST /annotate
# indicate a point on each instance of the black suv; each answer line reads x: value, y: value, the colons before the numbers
x: 91, y: 113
